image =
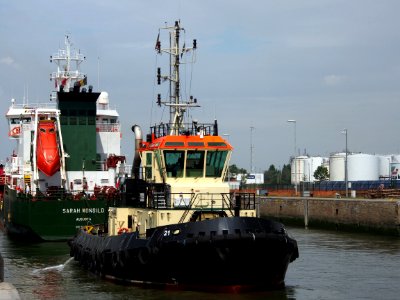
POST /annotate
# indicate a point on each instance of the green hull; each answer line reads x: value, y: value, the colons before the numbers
x: 49, y: 219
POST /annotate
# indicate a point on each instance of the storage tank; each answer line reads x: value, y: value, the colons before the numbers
x: 325, y: 163
x: 337, y: 166
x: 310, y: 166
x: 307, y: 169
x: 395, y: 170
x: 297, y: 169
x: 362, y: 166
x: 384, y: 166
x: 395, y: 167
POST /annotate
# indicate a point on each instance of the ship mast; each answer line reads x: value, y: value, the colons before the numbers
x: 177, y: 106
x: 65, y: 77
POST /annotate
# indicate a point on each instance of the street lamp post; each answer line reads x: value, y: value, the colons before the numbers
x: 294, y: 157
x: 251, y: 149
x: 345, y: 165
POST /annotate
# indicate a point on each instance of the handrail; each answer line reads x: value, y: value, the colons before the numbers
x: 232, y: 200
x: 163, y: 129
x: 114, y: 127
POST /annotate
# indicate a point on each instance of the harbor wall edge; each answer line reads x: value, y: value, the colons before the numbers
x: 378, y: 216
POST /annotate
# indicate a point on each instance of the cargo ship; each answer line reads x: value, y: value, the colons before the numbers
x: 64, y: 170
x: 177, y: 225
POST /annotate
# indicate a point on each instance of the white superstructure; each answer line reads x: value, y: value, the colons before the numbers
x: 23, y: 119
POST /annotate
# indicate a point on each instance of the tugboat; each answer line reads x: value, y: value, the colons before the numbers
x: 63, y: 173
x: 177, y: 224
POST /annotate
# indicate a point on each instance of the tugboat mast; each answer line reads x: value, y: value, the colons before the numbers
x: 177, y: 107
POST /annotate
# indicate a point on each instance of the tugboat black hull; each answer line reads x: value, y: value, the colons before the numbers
x: 218, y: 253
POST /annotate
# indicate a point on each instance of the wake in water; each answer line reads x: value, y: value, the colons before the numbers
x: 57, y: 268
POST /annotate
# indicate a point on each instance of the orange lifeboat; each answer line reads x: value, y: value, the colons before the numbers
x: 47, y: 155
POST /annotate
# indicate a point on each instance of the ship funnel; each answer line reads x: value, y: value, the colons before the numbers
x: 136, y: 159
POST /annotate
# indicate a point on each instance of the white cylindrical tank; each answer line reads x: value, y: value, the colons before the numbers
x: 307, y: 169
x: 384, y: 165
x: 325, y: 163
x: 395, y: 167
x: 337, y: 166
x: 395, y: 171
x: 297, y: 169
x: 310, y: 166
x: 362, y: 166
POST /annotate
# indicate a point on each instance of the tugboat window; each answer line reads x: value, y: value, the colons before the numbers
x: 174, y: 163
x: 196, y: 144
x: 195, y: 164
x: 148, y: 167
x: 215, y: 163
x: 216, y: 144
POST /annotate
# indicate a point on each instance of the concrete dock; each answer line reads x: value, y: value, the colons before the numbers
x: 7, y: 290
x: 363, y: 215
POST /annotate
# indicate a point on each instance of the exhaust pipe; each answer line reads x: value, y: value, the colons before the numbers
x: 136, y: 159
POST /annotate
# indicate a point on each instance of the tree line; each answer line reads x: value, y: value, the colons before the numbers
x: 281, y: 175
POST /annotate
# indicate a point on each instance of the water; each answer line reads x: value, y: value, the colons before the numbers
x: 332, y: 265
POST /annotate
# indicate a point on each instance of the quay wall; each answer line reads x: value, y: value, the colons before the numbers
x: 366, y: 215
x: 7, y: 290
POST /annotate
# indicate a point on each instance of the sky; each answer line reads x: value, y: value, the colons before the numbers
x: 328, y: 64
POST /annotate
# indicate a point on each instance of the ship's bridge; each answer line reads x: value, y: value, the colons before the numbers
x: 185, y: 157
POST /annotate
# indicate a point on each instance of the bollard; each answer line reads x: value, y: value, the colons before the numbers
x: 305, y: 213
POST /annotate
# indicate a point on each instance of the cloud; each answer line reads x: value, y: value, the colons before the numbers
x: 334, y: 80
x: 9, y: 61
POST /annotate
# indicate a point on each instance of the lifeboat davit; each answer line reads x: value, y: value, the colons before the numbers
x: 47, y: 155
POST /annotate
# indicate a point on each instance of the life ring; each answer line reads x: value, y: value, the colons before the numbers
x: 123, y: 230
x: 15, y: 131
